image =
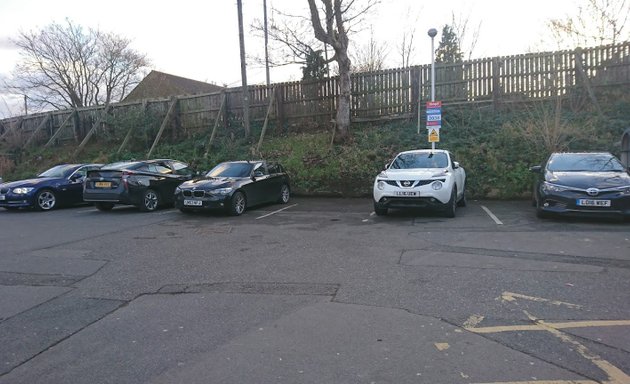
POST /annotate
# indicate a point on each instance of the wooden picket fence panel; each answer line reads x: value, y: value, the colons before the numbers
x: 387, y: 94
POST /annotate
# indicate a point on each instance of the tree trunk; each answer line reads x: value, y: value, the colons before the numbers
x: 343, y: 104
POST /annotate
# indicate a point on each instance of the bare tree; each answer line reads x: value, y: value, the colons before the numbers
x: 291, y: 39
x: 467, y: 35
x: 406, y: 48
x: 332, y: 21
x: 370, y: 56
x: 596, y: 22
x: 66, y: 66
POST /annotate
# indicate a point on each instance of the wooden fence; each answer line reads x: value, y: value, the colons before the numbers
x: 387, y: 94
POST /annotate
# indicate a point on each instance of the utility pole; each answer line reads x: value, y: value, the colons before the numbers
x: 266, y: 44
x: 243, y: 69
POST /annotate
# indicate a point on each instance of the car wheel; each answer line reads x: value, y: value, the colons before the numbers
x: 380, y: 211
x: 104, y: 206
x: 462, y: 202
x: 45, y: 200
x: 237, y: 204
x: 150, y: 201
x: 285, y: 194
x: 452, y: 204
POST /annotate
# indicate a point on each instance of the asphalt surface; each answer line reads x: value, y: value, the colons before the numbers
x: 315, y: 291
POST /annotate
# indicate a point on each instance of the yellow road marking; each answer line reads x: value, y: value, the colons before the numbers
x: 473, y: 321
x: 442, y: 346
x: 615, y: 375
x: 536, y: 327
x: 511, y: 296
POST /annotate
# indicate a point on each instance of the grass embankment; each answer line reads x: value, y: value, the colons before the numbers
x: 496, y: 149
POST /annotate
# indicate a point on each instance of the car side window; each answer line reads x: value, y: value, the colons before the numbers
x: 158, y: 168
x: 79, y: 174
x: 261, y: 170
x: 275, y: 168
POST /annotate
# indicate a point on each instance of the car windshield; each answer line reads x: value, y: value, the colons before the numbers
x: 231, y: 170
x: 584, y: 162
x: 420, y: 160
x: 58, y: 171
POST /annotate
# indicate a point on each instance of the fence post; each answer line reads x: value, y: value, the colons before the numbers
x: 496, y: 83
x: 280, y: 107
x: 415, y: 93
x: 585, y: 81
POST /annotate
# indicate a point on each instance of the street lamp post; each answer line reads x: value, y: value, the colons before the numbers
x: 432, y: 33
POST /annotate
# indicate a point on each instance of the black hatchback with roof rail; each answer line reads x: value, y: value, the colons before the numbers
x: 146, y: 184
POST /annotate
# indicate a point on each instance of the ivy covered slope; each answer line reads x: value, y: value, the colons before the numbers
x: 495, y: 147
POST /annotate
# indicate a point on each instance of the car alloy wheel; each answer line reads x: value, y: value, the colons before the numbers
x: 150, y: 201
x: 285, y: 194
x: 462, y: 202
x: 452, y: 204
x: 237, y: 204
x: 46, y: 200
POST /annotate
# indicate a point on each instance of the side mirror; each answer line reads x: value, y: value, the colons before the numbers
x: 535, y: 169
x: 455, y: 165
x: 386, y: 166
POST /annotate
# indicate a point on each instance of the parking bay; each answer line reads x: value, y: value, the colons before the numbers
x: 323, y: 291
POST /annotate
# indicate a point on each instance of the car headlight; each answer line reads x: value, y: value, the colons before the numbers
x: 442, y: 173
x: 178, y: 190
x: 221, y: 191
x: 22, y: 190
x: 380, y: 185
x: 437, y: 185
x: 548, y: 187
x: 625, y: 190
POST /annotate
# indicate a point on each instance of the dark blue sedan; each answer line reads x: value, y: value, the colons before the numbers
x: 60, y: 185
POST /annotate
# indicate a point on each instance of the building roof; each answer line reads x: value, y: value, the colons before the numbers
x: 162, y: 85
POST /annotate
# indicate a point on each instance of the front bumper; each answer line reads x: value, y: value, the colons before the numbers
x: 566, y: 203
x: 212, y: 202
x: 12, y: 200
x: 419, y: 196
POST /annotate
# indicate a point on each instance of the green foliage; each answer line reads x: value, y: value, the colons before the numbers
x: 495, y: 148
x: 448, y: 50
x: 315, y: 67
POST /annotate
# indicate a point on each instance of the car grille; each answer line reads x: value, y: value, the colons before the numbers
x: 4, y: 191
x: 189, y: 193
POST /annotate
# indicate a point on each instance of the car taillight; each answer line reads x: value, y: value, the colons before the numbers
x: 125, y: 176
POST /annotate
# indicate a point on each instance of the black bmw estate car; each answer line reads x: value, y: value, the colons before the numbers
x: 234, y: 186
x: 145, y: 184
x: 584, y: 183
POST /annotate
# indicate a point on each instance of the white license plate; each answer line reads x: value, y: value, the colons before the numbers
x: 2, y: 197
x: 407, y: 193
x: 193, y: 203
x: 593, y: 203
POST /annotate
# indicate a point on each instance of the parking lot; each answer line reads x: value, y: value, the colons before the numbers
x: 315, y: 291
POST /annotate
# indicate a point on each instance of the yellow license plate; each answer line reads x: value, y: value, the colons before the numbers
x: 103, y: 184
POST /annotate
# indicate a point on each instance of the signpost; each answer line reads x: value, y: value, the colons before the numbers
x: 434, y: 121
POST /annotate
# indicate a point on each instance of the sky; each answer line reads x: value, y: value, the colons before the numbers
x: 198, y: 39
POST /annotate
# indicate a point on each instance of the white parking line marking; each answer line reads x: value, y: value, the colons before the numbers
x: 492, y: 216
x: 274, y: 212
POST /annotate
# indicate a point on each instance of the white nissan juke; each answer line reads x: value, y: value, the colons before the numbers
x: 423, y: 178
